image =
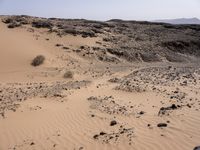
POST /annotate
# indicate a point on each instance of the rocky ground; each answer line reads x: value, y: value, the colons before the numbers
x: 98, y: 85
x: 131, y: 40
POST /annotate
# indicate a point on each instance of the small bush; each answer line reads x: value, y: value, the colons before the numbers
x: 38, y: 60
x: 68, y: 75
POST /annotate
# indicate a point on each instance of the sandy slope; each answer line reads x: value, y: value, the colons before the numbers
x: 70, y: 122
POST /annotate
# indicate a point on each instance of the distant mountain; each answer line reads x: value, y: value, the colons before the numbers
x: 180, y: 21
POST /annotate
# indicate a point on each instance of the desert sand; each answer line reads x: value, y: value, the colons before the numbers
x: 108, y: 102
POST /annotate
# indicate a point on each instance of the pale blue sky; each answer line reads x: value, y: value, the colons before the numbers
x: 103, y: 9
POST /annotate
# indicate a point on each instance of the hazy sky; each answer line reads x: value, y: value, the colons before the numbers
x: 104, y: 9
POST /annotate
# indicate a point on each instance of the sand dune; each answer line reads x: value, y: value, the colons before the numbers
x: 110, y: 105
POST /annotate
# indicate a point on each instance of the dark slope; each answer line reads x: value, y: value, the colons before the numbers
x: 130, y: 40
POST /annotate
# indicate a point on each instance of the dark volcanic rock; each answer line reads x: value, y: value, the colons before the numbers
x: 161, y: 125
x: 42, y: 24
x: 141, y: 112
x: 7, y: 20
x: 88, y: 34
x: 95, y: 136
x: 163, y: 110
x: 197, y: 148
x: 102, y: 133
x: 14, y: 25
x: 112, y: 123
x: 115, y: 136
x: 185, y: 47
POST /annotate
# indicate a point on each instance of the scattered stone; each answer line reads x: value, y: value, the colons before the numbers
x: 14, y: 93
x: 59, y: 45
x: 197, y: 148
x: 189, y: 106
x: 115, y: 136
x: 96, y: 136
x: 65, y: 47
x: 110, y: 106
x: 102, y: 133
x: 113, y: 123
x: 164, y: 110
x: 141, y: 112
x: 32, y: 143
x: 161, y: 125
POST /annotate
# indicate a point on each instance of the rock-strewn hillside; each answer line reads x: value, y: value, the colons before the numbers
x: 130, y: 40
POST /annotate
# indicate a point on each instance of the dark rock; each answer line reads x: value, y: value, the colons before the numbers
x: 197, y: 148
x: 65, y: 47
x: 102, y: 133
x: 88, y: 34
x: 95, y: 136
x: 7, y: 20
x: 112, y: 123
x: 173, y: 106
x: 42, y: 24
x: 70, y: 31
x: 14, y: 25
x: 82, y: 47
x: 141, y: 113
x: 58, y: 45
x: 161, y: 125
x: 115, y: 52
x: 163, y: 110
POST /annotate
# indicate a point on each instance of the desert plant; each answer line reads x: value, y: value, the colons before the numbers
x: 38, y: 60
x: 68, y: 74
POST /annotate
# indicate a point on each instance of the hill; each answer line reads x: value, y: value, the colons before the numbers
x: 180, y: 21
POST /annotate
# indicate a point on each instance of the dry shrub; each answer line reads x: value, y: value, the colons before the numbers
x: 38, y: 60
